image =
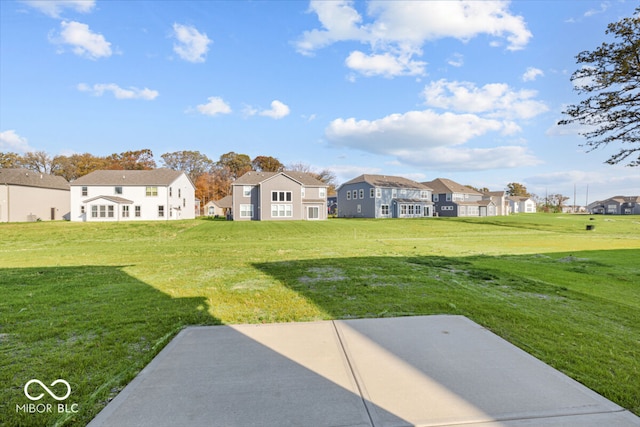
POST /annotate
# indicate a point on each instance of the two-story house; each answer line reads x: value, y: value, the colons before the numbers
x: 26, y: 195
x: 131, y: 195
x: 383, y: 196
x: 618, y: 205
x: 521, y: 204
x: 453, y: 199
x: 286, y: 195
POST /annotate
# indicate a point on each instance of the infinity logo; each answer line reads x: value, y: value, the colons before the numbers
x: 38, y: 397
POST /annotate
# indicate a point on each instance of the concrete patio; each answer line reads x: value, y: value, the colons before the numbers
x: 407, y: 371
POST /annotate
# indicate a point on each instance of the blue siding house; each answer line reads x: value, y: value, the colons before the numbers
x: 382, y: 196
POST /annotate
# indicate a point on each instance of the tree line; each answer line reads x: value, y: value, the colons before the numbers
x: 212, y: 179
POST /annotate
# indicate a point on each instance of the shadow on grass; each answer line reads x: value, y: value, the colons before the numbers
x: 533, y: 301
x: 94, y: 326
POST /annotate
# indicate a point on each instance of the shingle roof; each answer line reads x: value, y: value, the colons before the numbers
x: 388, y: 181
x: 114, y: 199
x: 255, y: 178
x: 444, y: 185
x: 129, y: 177
x: 29, y: 178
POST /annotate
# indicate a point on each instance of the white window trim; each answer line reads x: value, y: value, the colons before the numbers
x: 246, y: 208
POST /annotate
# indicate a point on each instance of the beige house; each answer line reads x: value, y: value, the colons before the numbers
x: 31, y: 196
x: 278, y: 196
x: 218, y: 208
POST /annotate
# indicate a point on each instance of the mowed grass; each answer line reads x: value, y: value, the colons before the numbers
x: 93, y: 303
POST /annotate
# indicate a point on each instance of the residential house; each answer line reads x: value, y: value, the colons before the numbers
x: 452, y: 199
x: 219, y: 208
x: 618, y: 205
x: 383, y: 196
x: 499, y: 198
x: 521, y: 204
x: 286, y: 195
x: 32, y: 196
x: 133, y: 195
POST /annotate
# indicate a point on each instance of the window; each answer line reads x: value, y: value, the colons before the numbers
x: 281, y: 210
x: 138, y: 211
x: 359, y: 207
x: 313, y: 212
x: 418, y: 209
x: 384, y: 210
x: 448, y: 197
x: 302, y: 192
x: 348, y: 195
x: 322, y: 192
x: 378, y: 193
x: 151, y: 191
x: 82, y: 209
x: 435, y: 197
x: 361, y: 192
x: 410, y: 209
x: 424, y: 194
x: 246, y: 211
x: 246, y: 190
x: 179, y: 193
x: 94, y: 211
x: 372, y: 193
x: 103, y: 211
x: 170, y: 192
x: 184, y: 203
x: 118, y: 190
x: 160, y: 211
x: 85, y: 191
x: 281, y: 196
x: 446, y: 208
x: 403, y: 209
x: 125, y: 211
x: 394, y: 192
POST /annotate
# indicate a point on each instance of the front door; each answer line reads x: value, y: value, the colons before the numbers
x: 53, y: 214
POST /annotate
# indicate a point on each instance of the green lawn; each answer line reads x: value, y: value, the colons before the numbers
x: 93, y: 303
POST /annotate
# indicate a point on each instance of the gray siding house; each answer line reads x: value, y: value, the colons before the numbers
x: 618, y: 205
x: 382, y: 196
x: 453, y: 199
x: 278, y: 196
x: 31, y: 196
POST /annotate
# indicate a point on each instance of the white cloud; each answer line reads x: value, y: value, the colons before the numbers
x: 12, y: 142
x: 84, y: 42
x: 532, y: 74
x: 215, y: 106
x: 456, y: 60
x: 278, y: 110
x: 400, y: 29
x: 385, y: 64
x: 495, y: 100
x: 118, y: 92
x: 191, y: 44
x: 55, y: 8
x: 603, y: 8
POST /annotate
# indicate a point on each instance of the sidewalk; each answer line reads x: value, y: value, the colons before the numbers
x: 406, y: 371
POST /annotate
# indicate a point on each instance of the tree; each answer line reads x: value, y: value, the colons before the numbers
x: 193, y: 163
x: 610, y: 76
x: 234, y: 165
x: 38, y: 161
x: 132, y: 160
x: 267, y: 164
x: 10, y: 160
x: 77, y: 165
x: 517, y: 189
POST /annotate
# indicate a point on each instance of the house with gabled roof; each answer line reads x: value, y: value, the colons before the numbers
x: 26, y: 195
x: 133, y: 195
x: 452, y: 199
x: 219, y: 208
x: 617, y: 205
x: 286, y: 195
x: 522, y: 204
x: 384, y: 196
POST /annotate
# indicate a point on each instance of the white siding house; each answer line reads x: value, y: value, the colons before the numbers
x: 133, y: 195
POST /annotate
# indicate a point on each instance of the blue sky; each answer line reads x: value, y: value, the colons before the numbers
x: 469, y: 91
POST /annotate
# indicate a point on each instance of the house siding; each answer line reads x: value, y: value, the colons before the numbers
x: 176, y: 198
x: 366, y: 200
x: 22, y: 203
